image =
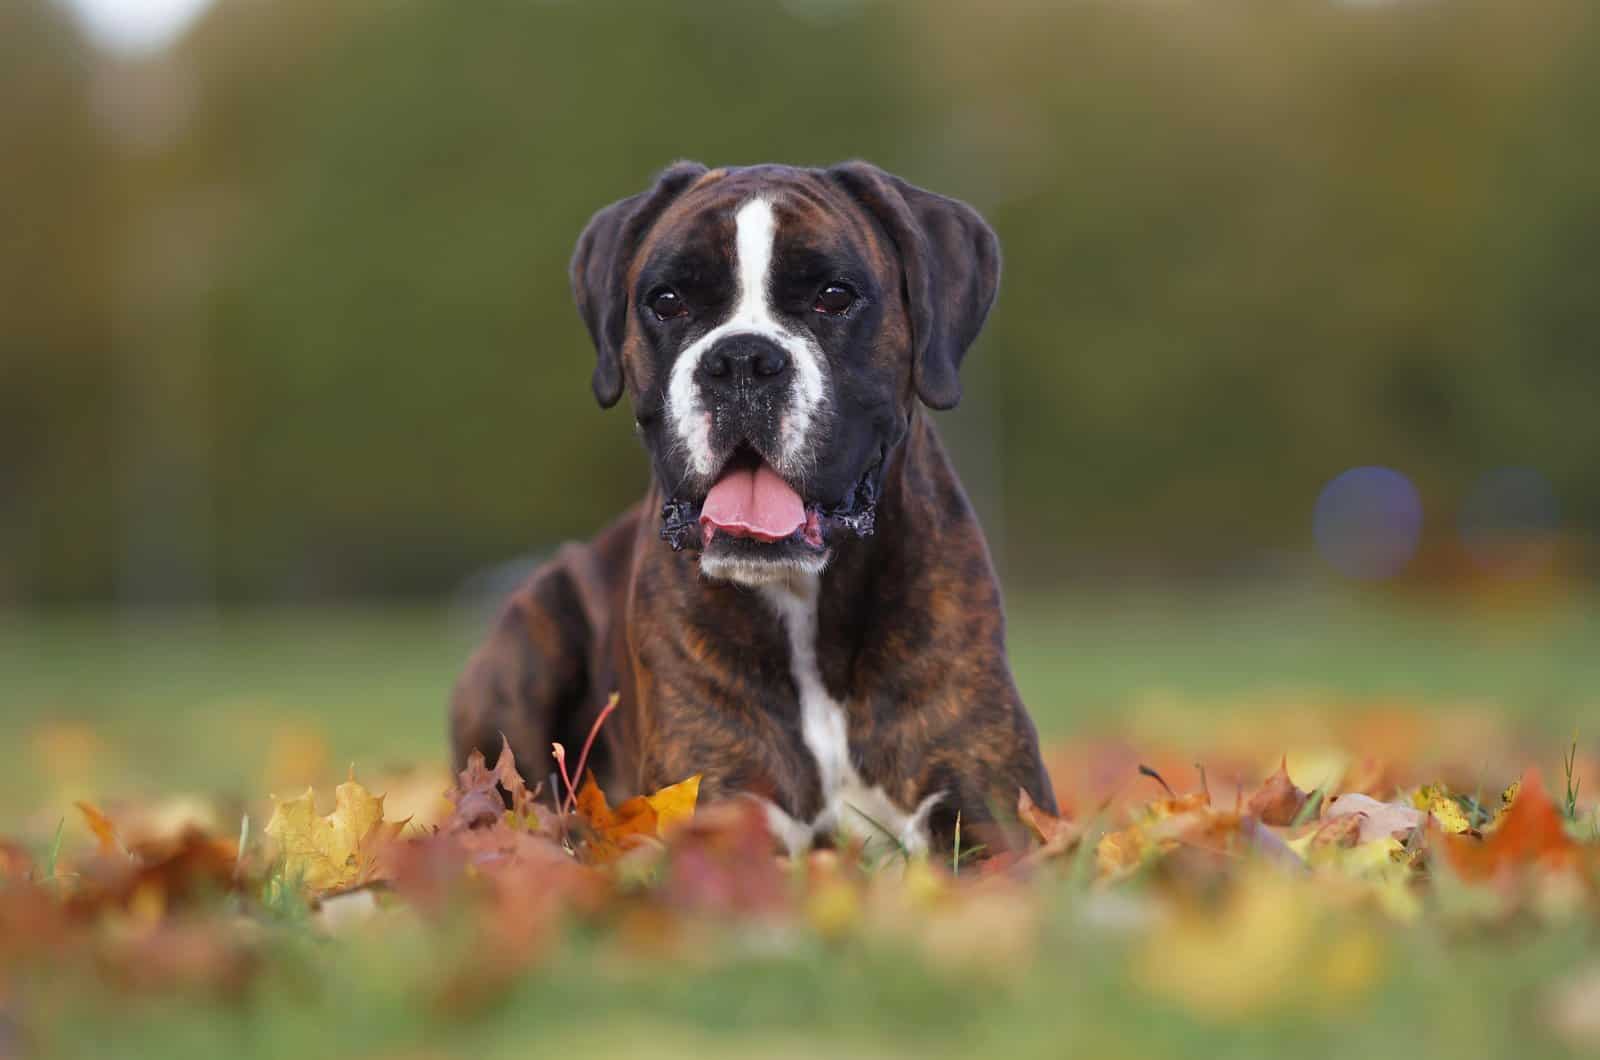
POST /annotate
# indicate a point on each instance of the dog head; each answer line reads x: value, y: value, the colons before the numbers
x: 773, y: 327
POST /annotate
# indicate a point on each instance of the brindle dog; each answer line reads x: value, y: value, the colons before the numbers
x: 802, y: 609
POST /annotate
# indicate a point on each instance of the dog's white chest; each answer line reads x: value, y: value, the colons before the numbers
x: 849, y: 806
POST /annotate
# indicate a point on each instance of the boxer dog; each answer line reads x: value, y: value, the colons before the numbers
x: 802, y: 609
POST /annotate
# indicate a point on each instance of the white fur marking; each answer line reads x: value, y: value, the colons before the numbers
x: 755, y: 231
x: 753, y: 573
x: 849, y: 806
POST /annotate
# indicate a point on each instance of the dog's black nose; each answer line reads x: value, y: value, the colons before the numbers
x: 743, y: 361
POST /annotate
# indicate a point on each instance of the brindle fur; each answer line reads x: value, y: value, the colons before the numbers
x: 911, y: 631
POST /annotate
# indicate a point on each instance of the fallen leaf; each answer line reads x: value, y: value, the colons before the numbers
x: 1437, y: 802
x: 1379, y: 820
x: 1278, y: 801
x: 1338, y: 833
x: 152, y: 879
x: 1265, y: 946
x: 1056, y: 834
x: 1158, y: 825
x: 327, y: 853
x: 478, y: 799
x: 611, y: 832
x: 723, y: 860
x: 1531, y: 833
x: 674, y: 804
x: 104, y: 831
x: 15, y: 862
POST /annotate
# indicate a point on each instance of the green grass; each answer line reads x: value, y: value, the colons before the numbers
x: 377, y: 996
x: 186, y: 701
x: 178, y: 700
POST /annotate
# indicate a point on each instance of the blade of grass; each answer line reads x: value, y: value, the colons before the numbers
x: 1309, y: 809
x: 899, y: 846
x: 53, y: 858
x: 244, y: 839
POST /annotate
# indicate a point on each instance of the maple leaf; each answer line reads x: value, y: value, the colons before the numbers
x: 329, y: 853
x: 612, y: 832
x: 478, y: 801
x: 674, y: 804
x: 1278, y: 801
x: 1531, y: 832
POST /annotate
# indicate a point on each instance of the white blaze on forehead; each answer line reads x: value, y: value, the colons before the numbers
x: 755, y: 235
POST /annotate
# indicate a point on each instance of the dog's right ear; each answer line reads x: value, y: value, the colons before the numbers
x: 599, y: 270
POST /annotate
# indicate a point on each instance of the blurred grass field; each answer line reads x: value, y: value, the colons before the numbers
x: 152, y: 704
x: 106, y: 704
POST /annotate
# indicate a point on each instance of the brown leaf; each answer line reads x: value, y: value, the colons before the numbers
x: 1278, y: 802
x: 15, y: 862
x: 723, y: 859
x: 158, y: 877
x: 522, y: 799
x: 1379, y: 820
x: 478, y: 801
x: 1056, y: 834
x: 1339, y: 832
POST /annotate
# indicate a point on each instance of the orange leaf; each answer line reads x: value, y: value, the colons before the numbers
x: 103, y: 829
x: 611, y: 832
x: 1279, y: 801
x: 1531, y: 832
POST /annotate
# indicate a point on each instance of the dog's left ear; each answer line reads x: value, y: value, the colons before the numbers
x: 951, y: 259
x: 599, y: 270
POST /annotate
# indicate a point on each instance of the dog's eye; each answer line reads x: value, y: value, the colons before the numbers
x: 834, y: 299
x: 666, y: 304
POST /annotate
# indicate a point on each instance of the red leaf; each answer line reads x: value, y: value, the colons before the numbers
x: 1532, y: 833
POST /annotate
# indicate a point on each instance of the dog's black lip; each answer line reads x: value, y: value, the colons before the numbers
x: 680, y: 518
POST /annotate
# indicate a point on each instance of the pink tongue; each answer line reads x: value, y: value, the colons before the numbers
x: 756, y: 503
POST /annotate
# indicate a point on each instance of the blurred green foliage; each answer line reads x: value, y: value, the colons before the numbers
x: 285, y: 307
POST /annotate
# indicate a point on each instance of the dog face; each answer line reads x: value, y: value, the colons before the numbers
x: 773, y: 327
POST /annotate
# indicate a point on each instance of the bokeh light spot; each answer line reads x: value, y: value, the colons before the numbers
x: 1509, y: 520
x: 1368, y: 523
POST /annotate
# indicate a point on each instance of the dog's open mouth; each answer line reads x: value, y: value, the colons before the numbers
x: 751, y: 503
x: 751, y: 500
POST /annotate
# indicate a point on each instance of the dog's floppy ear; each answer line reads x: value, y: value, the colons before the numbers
x: 951, y: 259
x: 599, y: 270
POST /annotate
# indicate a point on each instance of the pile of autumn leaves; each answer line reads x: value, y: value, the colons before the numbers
x: 1274, y: 875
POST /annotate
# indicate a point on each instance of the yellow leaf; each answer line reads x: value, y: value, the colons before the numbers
x: 1507, y: 797
x: 326, y: 853
x: 613, y: 831
x: 674, y: 804
x: 1118, y: 852
x: 1436, y: 799
x: 1266, y: 945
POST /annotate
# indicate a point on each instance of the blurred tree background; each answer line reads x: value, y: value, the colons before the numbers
x: 284, y: 314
